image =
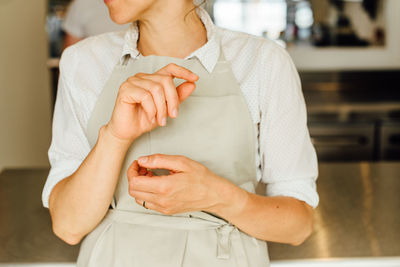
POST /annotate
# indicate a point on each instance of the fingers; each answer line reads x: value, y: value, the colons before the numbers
x: 132, y: 94
x: 175, y: 163
x: 171, y: 93
x: 135, y: 170
x: 158, y: 94
x: 160, y: 86
x: 153, y: 206
x: 145, y: 172
x: 153, y: 201
x: 184, y: 90
x: 146, y: 196
x: 138, y: 182
x: 142, y: 171
x: 155, y: 184
x: 178, y: 72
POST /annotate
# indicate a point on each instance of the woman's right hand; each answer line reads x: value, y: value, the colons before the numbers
x: 145, y: 100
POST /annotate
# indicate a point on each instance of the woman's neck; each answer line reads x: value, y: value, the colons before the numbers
x: 166, y: 33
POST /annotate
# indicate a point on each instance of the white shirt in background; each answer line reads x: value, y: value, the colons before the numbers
x: 285, y: 157
x: 86, y: 18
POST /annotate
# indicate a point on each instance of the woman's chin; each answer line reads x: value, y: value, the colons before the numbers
x: 127, y: 11
x: 120, y: 18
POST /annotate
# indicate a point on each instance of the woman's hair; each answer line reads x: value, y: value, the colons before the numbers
x: 196, y: 6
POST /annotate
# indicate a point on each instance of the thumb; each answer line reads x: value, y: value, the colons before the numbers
x: 133, y: 169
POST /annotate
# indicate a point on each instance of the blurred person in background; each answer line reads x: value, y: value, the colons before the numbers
x: 86, y: 18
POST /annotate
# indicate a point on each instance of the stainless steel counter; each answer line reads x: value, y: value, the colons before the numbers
x: 358, y: 214
x: 25, y: 226
x: 358, y: 217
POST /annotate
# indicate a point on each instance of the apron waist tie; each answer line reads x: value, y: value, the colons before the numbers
x: 226, y: 232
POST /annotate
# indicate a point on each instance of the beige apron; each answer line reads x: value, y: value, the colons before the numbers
x: 213, y: 127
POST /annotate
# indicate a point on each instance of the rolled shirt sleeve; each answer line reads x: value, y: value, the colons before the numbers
x: 288, y: 158
x: 69, y: 145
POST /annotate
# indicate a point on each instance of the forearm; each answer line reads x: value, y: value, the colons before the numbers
x: 277, y: 219
x: 79, y: 202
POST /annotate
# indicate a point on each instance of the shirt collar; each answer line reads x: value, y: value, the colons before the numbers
x: 208, y: 54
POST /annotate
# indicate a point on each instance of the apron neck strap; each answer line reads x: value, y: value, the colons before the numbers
x: 221, y: 52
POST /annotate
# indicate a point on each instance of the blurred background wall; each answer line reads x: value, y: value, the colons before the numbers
x: 25, y: 103
x: 354, y: 57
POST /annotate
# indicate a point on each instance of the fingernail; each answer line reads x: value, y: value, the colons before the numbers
x: 164, y: 121
x: 142, y: 159
x: 174, y: 112
x: 153, y: 120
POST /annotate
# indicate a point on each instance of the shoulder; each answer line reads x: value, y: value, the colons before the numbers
x: 92, y: 54
x: 263, y: 67
x: 86, y: 65
x: 257, y: 49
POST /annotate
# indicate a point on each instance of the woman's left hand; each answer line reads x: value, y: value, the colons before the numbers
x: 190, y: 186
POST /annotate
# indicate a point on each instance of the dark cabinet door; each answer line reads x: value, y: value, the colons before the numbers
x: 343, y: 141
x: 390, y: 141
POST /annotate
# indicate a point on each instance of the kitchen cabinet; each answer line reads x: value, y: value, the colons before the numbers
x: 390, y: 140
x: 353, y: 115
x: 343, y: 140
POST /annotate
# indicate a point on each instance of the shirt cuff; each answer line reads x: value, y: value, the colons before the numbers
x: 304, y: 190
x: 57, y: 173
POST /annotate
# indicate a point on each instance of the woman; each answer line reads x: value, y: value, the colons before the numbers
x: 174, y: 122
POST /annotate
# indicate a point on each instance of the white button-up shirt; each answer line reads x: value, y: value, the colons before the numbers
x: 286, y: 159
x: 86, y: 18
